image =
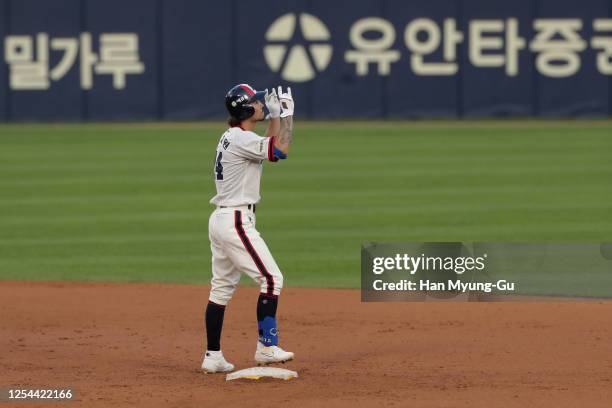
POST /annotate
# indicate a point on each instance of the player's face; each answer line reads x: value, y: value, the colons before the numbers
x: 259, y: 113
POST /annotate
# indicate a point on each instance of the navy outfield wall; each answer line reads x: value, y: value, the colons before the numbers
x: 163, y: 59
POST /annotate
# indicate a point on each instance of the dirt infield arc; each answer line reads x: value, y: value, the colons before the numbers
x: 136, y: 344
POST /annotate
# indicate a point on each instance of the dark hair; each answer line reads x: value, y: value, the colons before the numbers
x: 233, y: 122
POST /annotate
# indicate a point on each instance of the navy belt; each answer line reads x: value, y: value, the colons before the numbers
x: 249, y: 206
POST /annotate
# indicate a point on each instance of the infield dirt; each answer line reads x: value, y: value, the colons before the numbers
x: 141, y: 345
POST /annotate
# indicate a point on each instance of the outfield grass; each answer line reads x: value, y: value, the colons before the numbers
x: 130, y: 202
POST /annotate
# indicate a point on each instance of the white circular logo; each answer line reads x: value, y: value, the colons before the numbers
x: 308, y: 49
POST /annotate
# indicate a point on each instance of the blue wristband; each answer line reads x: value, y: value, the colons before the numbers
x: 278, y: 153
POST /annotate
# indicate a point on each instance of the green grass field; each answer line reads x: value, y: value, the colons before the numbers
x: 129, y: 202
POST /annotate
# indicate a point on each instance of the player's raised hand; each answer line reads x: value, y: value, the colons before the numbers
x: 286, y: 101
x: 272, y: 103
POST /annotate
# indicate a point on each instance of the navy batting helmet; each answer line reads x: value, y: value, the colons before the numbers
x: 238, y: 100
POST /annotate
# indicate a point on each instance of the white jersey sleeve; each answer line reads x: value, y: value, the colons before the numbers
x: 253, y: 147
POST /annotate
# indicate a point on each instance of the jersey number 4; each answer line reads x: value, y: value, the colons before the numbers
x: 219, y: 166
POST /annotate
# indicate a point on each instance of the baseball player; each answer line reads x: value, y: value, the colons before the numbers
x: 237, y: 247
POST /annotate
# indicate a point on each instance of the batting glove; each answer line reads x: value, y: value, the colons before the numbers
x: 273, y: 104
x: 286, y: 101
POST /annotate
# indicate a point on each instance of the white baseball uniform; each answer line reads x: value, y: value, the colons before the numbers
x: 235, y: 243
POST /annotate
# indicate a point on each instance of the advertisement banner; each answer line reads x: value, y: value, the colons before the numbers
x: 138, y: 59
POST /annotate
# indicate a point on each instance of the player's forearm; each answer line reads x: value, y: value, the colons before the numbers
x: 285, y: 135
x: 274, y: 126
